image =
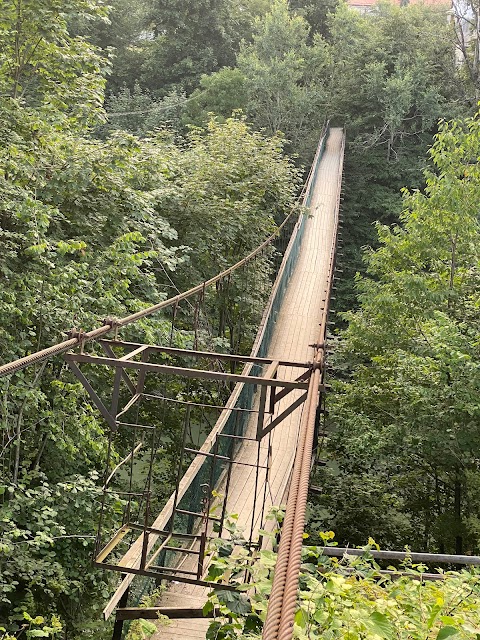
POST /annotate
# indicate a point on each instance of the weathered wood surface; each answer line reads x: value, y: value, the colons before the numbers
x: 296, y: 329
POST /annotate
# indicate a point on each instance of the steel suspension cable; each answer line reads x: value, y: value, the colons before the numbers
x: 113, y: 323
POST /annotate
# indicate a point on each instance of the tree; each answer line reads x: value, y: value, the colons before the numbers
x: 42, y: 64
x: 189, y: 39
x: 284, y: 78
x: 141, y: 114
x: 466, y: 25
x: 221, y: 93
x: 394, y: 76
x: 407, y: 413
x: 122, y: 37
x: 234, y: 186
x: 316, y: 14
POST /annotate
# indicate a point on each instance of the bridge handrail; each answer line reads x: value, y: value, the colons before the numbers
x: 241, y: 397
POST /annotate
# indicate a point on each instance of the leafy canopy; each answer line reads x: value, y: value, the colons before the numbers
x: 406, y: 411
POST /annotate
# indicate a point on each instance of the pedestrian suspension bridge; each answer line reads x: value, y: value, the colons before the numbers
x: 262, y: 413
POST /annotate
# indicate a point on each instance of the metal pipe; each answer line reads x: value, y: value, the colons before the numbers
x: 414, y: 556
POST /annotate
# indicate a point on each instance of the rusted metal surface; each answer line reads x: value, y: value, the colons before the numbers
x: 153, y: 540
x: 185, y: 372
x: 191, y: 353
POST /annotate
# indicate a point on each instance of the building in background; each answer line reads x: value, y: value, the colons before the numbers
x: 367, y: 6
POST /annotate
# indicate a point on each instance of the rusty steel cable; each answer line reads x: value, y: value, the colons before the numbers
x: 275, y: 604
x: 81, y: 337
x: 283, y: 598
x: 111, y: 324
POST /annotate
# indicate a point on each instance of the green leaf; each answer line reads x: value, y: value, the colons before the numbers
x: 215, y: 572
x: 381, y: 625
x: 446, y: 632
x: 301, y: 618
x: 147, y: 627
x: 253, y: 623
x: 214, y: 630
x: 236, y: 602
x: 207, y: 608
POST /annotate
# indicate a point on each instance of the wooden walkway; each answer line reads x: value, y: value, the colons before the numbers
x: 296, y: 328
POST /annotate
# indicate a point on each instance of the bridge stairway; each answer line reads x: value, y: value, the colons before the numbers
x: 296, y: 329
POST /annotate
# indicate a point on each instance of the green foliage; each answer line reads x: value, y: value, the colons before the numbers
x: 348, y: 597
x: 221, y: 93
x: 139, y: 113
x: 42, y: 65
x: 394, y: 72
x: 406, y: 411
x: 46, y: 546
x: 285, y: 77
x: 121, y: 37
x: 316, y: 13
x: 234, y: 186
x: 36, y: 627
x: 393, y: 77
x: 142, y: 629
x: 189, y: 39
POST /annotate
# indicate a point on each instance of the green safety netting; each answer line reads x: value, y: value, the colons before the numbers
x: 236, y: 421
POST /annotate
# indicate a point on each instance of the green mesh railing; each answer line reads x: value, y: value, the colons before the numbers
x: 235, y: 422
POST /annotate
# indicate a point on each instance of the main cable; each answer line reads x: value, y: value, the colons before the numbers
x: 112, y: 323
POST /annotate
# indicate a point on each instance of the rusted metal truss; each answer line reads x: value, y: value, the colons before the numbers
x: 153, y: 542
x: 269, y: 396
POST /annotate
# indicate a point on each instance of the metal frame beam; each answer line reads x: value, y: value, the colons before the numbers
x: 164, y: 576
x: 229, y: 357
x: 152, y: 613
x: 187, y: 373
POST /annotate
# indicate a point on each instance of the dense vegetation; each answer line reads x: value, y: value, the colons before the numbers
x: 347, y: 597
x: 407, y: 408
x: 117, y: 184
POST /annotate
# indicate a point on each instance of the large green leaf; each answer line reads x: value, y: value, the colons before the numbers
x: 446, y: 632
x: 381, y: 625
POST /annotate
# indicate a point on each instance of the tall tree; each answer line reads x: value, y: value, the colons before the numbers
x: 407, y: 413
x: 285, y: 78
x: 189, y: 39
x: 393, y: 77
x: 316, y: 13
x: 42, y: 64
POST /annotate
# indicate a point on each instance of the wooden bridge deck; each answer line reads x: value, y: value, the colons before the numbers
x: 296, y: 328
